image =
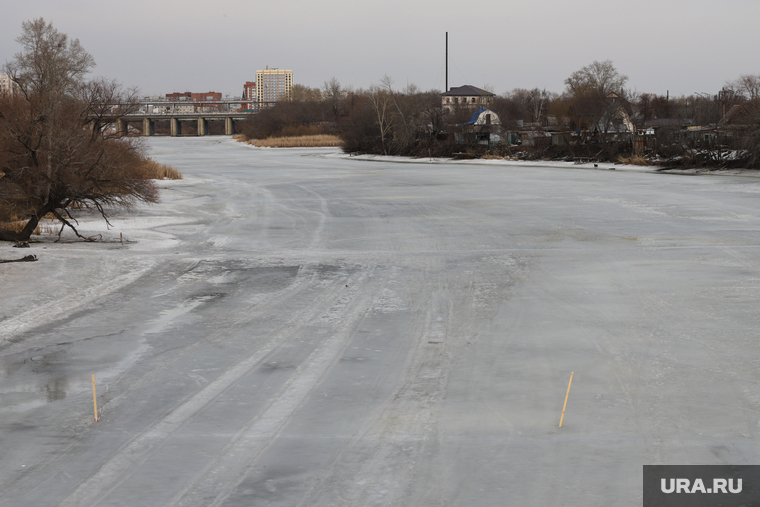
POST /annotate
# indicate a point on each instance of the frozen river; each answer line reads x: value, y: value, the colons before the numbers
x: 289, y: 329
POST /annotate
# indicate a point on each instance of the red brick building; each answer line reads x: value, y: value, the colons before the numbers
x: 249, y: 93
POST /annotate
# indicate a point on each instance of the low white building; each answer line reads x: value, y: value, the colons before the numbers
x: 483, y: 128
x: 482, y: 117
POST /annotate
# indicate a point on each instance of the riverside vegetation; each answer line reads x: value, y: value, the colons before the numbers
x: 688, y: 131
x: 59, y: 151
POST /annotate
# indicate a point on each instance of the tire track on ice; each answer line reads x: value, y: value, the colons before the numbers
x: 116, y: 470
x: 46, y: 313
x: 259, y: 433
x: 308, y: 276
x: 382, y: 457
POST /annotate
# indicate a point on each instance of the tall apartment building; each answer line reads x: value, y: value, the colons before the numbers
x: 8, y: 86
x: 273, y: 85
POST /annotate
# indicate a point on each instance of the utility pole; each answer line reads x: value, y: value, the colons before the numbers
x: 447, y: 63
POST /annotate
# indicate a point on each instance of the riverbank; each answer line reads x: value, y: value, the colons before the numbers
x: 594, y: 166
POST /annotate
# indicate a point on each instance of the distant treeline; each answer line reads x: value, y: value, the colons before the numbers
x: 584, y: 121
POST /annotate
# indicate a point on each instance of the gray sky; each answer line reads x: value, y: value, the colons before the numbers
x: 162, y: 46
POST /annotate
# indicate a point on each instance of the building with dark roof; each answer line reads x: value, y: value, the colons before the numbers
x: 466, y: 96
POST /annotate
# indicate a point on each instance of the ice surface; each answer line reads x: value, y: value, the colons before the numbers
x: 301, y: 327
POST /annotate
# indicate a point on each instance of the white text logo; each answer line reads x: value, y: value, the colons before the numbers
x: 685, y: 486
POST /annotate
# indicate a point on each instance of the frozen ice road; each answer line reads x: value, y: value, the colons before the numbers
x: 288, y: 328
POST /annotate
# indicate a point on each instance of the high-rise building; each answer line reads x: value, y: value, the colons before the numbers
x: 8, y: 85
x: 273, y: 85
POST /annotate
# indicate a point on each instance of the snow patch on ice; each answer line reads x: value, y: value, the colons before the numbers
x: 389, y: 302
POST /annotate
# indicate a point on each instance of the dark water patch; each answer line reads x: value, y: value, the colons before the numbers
x: 243, y: 274
x: 273, y: 366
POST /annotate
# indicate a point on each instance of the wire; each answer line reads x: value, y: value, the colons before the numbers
x: 462, y: 74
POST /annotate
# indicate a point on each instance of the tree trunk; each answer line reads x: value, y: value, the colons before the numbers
x: 30, y: 226
x: 10, y: 236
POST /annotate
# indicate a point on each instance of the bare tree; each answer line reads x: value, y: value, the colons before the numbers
x: 103, y: 103
x: 539, y: 102
x: 394, y: 122
x: 597, y: 78
x: 747, y: 87
x: 382, y: 107
x: 386, y: 83
x: 333, y: 94
x: 301, y: 93
x: 591, y: 94
x: 59, y: 148
x: 49, y: 64
x: 650, y: 106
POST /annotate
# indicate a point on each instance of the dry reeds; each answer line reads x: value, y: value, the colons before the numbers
x: 14, y: 224
x: 633, y: 160
x: 154, y: 171
x: 310, y: 141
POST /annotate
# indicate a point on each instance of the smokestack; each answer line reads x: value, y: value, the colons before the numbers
x: 447, y: 63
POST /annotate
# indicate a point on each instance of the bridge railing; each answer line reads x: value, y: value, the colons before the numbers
x: 143, y: 108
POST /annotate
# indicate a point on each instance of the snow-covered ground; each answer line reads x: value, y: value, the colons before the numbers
x: 301, y: 327
x: 514, y: 162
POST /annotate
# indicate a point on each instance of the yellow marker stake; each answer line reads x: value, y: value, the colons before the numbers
x: 565, y: 405
x: 95, y: 400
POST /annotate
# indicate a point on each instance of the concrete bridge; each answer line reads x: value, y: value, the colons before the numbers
x: 200, y: 121
x: 141, y: 117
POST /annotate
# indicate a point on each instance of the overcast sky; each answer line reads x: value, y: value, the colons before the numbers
x: 162, y: 46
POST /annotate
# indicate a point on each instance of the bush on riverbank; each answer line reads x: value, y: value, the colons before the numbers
x: 309, y: 141
x: 288, y: 119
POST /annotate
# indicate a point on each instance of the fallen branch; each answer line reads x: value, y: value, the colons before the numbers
x: 28, y: 258
x: 65, y: 223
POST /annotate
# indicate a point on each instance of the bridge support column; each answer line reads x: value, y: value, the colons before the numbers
x: 229, y: 127
x: 175, y: 127
x: 121, y: 127
x: 202, y: 126
x: 149, y: 128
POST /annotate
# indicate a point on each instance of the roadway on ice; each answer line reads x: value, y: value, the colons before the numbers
x: 288, y: 328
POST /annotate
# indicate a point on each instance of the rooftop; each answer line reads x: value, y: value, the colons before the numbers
x: 467, y: 91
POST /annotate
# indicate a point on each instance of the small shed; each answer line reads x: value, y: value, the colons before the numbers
x: 482, y: 129
x: 483, y: 117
